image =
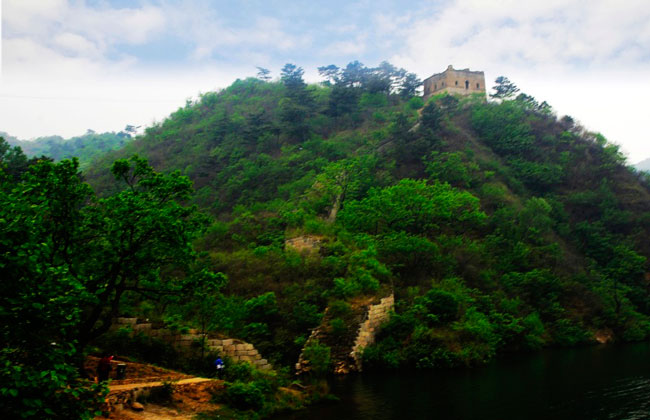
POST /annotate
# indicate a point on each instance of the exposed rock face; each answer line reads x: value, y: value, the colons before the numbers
x: 237, y: 350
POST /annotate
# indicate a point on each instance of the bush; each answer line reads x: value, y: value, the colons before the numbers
x: 244, y: 396
x: 442, y: 304
x: 339, y: 308
x: 567, y: 333
x: 238, y: 372
x: 338, y: 327
x: 319, y: 356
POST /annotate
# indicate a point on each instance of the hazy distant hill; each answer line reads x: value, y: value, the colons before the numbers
x: 85, y: 147
x: 644, y: 165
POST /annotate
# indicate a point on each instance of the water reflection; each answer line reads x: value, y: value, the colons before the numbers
x: 605, y: 382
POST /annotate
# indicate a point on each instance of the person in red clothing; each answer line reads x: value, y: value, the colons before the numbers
x: 104, y: 368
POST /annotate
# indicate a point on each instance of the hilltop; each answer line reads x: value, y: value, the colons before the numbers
x: 499, y: 225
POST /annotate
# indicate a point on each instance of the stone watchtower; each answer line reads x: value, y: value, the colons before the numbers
x: 459, y: 82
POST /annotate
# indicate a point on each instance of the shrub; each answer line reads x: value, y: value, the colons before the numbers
x: 319, y: 356
x: 244, y: 396
x: 338, y: 327
x: 442, y: 304
x: 339, y: 308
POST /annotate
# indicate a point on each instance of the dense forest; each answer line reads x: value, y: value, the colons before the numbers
x: 498, y: 225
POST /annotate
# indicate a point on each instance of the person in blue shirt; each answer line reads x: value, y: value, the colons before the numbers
x: 219, y: 366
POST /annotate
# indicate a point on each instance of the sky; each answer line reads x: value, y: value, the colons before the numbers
x: 72, y: 65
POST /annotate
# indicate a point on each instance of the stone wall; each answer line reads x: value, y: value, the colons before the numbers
x: 304, y: 244
x: 377, y: 315
x: 237, y: 350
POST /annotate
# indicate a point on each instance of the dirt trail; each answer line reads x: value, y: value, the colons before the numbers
x: 126, y: 387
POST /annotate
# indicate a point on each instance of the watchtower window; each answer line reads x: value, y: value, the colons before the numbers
x: 435, y: 86
x: 478, y: 86
x: 456, y: 82
x: 466, y: 84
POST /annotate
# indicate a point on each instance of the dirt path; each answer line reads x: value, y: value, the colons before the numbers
x: 126, y: 387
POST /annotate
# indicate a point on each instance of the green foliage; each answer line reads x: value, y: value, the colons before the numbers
x: 410, y: 206
x: 338, y: 327
x: 13, y: 161
x: 319, y: 357
x: 443, y: 305
x: 72, y: 258
x: 504, y: 88
x: 244, y: 396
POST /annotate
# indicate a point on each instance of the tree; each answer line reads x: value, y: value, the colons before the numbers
x: 504, y: 88
x: 41, y: 296
x: 354, y: 74
x: 411, y: 206
x: 409, y: 85
x: 12, y: 159
x: 131, y: 129
x: 431, y: 117
x: 127, y: 238
x: 205, y: 295
x: 67, y: 261
x: 331, y: 73
x: 291, y: 77
x: 294, y: 109
x: 263, y: 74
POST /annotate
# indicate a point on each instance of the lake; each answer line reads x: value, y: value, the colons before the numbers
x: 599, y: 382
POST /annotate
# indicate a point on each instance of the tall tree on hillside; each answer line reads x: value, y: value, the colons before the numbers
x: 296, y: 106
x: 263, y: 74
x: 12, y: 159
x: 291, y: 77
x: 354, y: 74
x: 409, y: 85
x: 331, y: 73
x: 504, y: 88
x: 67, y: 260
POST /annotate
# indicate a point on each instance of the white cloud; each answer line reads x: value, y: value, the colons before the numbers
x: 203, y: 27
x: 76, y: 45
x: 531, y: 33
x: 353, y: 47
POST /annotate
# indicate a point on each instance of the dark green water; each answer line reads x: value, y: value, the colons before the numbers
x: 602, y: 382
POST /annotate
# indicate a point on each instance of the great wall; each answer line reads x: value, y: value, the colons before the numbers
x: 237, y: 350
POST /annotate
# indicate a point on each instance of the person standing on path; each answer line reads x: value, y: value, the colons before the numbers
x: 104, y: 368
x: 220, y: 366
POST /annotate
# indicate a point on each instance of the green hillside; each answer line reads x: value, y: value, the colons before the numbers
x: 498, y: 225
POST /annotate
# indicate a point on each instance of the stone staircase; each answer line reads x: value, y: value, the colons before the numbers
x: 346, y: 351
x: 376, y: 316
